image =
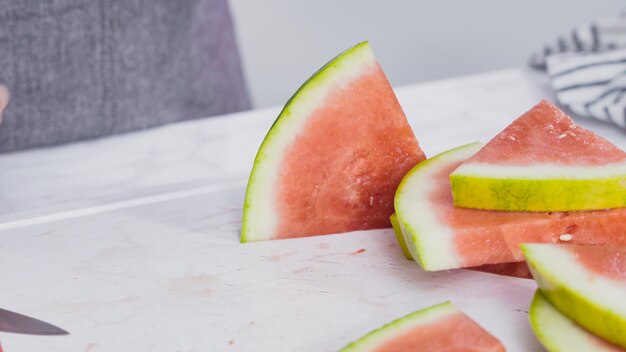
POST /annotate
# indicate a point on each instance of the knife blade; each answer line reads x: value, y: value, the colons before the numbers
x: 22, y: 324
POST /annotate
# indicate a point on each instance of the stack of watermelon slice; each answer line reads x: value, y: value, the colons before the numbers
x: 543, y: 181
x: 341, y: 156
x: 455, y: 209
x: 581, y: 301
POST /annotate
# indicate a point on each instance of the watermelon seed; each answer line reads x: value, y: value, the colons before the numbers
x: 371, y: 201
x: 563, y: 136
x: 566, y: 237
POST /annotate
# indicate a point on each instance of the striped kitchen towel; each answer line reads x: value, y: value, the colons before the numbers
x: 600, y: 36
x: 588, y: 71
x: 591, y: 85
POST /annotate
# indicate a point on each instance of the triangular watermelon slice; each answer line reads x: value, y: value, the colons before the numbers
x: 441, y: 327
x: 334, y: 156
x: 543, y: 162
x: 441, y: 236
x: 585, y: 283
x: 559, y: 334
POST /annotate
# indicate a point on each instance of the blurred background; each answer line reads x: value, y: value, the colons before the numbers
x: 78, y: 70
x: 282, y: 42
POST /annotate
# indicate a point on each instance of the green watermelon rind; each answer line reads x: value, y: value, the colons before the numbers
x: 343, y: 61
x: 556, y: 332
x: 395, y: 225
x: 416, y: 232
x: 523, y: 194
x: 398, y: 326
x: 593, y: 316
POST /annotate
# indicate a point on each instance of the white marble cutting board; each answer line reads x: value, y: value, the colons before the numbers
x: 172, y: 276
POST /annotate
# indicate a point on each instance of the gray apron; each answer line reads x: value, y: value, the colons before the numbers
x: 81, y: 69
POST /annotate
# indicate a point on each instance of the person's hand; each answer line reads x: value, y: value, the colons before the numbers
x: 4, y: 100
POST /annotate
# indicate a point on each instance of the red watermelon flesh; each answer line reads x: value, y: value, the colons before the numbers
x: 342, y: 171
x: 334, y: 157
x: 471, y: 237
x: 545, y: 134
x: 439, y: 328
x: 452, y: 333
x: 607, y: 261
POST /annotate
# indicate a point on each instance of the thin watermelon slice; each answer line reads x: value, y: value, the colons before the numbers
x: 559, y: 334
x: 441, y: 236
x: 543, y: 162
x: 334, y: 156
x: 441, y: 327
x: 585, y: 283
x: 518, y: 269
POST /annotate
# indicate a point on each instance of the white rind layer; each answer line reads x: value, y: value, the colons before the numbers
x: 261, y: 214
x: 542, y: 172
x: 565, y: 270
x: 382, y: 335
x: 430, y: 241
x: 559, y: 334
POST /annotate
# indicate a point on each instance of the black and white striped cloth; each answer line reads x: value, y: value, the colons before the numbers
x: 588, y: 71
